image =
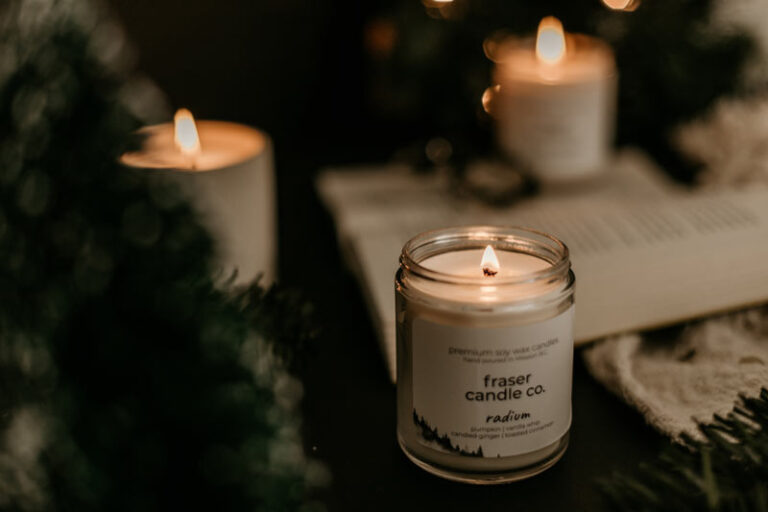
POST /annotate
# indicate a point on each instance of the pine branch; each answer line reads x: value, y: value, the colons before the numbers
x: 283, y: 316
x: 727, y: 471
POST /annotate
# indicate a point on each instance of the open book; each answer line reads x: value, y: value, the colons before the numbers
x: 645, y: 252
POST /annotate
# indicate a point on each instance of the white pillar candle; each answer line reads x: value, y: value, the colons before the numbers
x: 555, y: 103
x: 226, y: 170
x: 484, y: 352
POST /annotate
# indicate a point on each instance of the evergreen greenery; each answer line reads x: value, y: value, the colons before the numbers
x: 128, y: 381
x: 725, y: 471
x: 431, y: 434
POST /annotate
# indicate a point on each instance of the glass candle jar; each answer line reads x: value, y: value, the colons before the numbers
x: 484, y: 352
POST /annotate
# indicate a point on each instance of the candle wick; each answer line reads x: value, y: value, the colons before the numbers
x: 192, y: 162
x: 488, y: 272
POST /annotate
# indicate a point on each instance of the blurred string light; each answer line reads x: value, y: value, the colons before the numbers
x: 438, y: 151
x: 381, y: 36
x: 444, y: 9
x: 622, y: 5
x: 493, y: 45
x: 489, y: 95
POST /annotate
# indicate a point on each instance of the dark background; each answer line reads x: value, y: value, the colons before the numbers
x: 297, y: 69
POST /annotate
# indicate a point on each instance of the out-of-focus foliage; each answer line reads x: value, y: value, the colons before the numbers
x: 128, y: 381
x: 728, y: 470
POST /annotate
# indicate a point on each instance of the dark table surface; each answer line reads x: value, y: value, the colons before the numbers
x: 349, y: 406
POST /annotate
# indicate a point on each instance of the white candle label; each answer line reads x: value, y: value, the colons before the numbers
x: 492, y: 392
x: 560, y: 132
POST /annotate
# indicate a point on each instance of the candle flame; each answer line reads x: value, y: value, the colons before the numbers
x: 187, y: 139
x: 490, y: 263
x: 550, y: 41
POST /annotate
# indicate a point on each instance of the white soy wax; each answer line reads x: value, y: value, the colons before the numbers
x: 485, y: 352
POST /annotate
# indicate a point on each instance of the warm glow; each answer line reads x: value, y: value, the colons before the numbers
x: 186, y: 138
x: 490, y: 263
x: 622, y: 5
x: 489, y: 95
x: 550, y: 40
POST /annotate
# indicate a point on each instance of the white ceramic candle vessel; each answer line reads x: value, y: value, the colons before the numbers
x: 226, y: 170
x: 484, y: 352
x: 555, y: 104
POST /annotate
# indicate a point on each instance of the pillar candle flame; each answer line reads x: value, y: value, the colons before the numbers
x: 490, y: 263
x: 186, y: 137
x: 550, y: 41
x: 622, y: 5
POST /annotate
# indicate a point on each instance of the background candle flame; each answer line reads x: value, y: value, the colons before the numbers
x: 550, y: 40
x: 622, y: 5
x: 490, y: 263
x: 186, y: 137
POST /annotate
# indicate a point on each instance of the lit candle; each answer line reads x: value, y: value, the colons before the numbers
x: 226, y: 171
x: 484, y: 352
x: 555, y: 102
x: 622, y: 5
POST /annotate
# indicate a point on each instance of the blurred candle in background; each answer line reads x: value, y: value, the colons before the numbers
x: 554, y: 102
x: 226, y: 170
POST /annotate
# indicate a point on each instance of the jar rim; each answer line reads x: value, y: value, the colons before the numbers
x: 511, y: 238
